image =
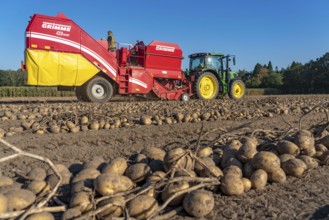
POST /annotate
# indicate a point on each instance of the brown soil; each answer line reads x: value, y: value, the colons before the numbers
x: 298, y: 198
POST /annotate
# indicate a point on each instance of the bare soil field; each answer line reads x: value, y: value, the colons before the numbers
x: 267, y: 118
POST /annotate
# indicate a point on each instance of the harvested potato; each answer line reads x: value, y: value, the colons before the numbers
x: 6, y: 181
x: 179, y: 159
x: 248, y: 169
x: 246, y: 184
x: 310, y: 162
x: 118, y: 166
x: 285, y: 157
x: 110, y: 183
x: 233, y: 170
x: 321, y: 147
x: 325, y: 158
x: 138, y: 172
x: 258, y: 179
x: 310, y: 151
x: 61, y: 168
x: 142, y: 207
x: 287, y: 147
x: 82, y: 200
x: 41, y: 216
x: 38, y: 186
x: 235, y: 144
x: 303, y: 139
x: 154, y: 153
x: 206, y: 161
x: 71, y: 213
x: 325, y: 141
x: 266, y: 160
x: 278, y: 176
x: 145, y: 120
x: 246, y: 152
x: 232, y: 185
x: 173, y: 188
x: 37, y: 173
x: 95, y: 163
x: 183, y: 172
x: 294, y: 167
x: 156, y: 176
x: 140, y: 158
x: 205, y: 152
x: 19, y: 199
x: 118, y: 203
x: 3, y: 203
x: 212, y: 171
x: 199, y: 203
x: 249, y: 141
x: 88, y: 173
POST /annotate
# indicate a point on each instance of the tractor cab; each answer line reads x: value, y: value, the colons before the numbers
x: 211, y: 75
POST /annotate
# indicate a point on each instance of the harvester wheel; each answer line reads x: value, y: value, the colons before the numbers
x: 99, y: 90
x: 185, y: 97
x: 237, y: 89
x: 206, y: 86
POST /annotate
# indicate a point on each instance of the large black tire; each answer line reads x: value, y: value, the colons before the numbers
x: 206, y: 86
x: 98, y: 90
x: 237, y: 89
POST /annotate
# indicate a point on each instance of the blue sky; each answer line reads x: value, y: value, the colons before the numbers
x: 256, y: 31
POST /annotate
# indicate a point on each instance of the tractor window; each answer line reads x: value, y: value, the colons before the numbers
x: 213, y: 62
x: 197, y: 62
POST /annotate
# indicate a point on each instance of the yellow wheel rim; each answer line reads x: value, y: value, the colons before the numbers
x: 238, y: 90
x: 208, y: 87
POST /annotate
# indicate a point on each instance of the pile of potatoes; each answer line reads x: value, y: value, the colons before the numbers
x: 146, y: 180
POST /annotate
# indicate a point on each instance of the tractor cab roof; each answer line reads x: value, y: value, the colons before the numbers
x: 205, y: 54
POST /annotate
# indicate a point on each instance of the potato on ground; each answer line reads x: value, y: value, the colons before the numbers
x: 232, y: 185
x: 234, y: 170
x: 118, y: 165
x: 310, y: 162
x: 246, y: 152
x: 228, y: 154
x: 258, y: 179
x: 41, y: 216
x: 303, y: 139
x: 82, y: 200
x: 3, y: 203
x: 285, y: 157
x: 138, y: 172
x: 6, y: 181
x: 278, y: 176
x: 37, y: 173
x: 212, y: 171
x: 110, y: 183
x: 267, y: 161
x: 142, y: 207
x: 118, y: 204
x: 95, y: 163
x: 248, y: 169
x: 205, y: 152
x: 173, y: 188
x: 19, y: 199
x: 156, y: 176
x: 198, y: 167
x: 287, y: 147
x: 199, y: 203
x: 325, y: 158
x: 88, y: 173
x: 38, y: 186
x: 294, y: 167
x: 178, y: 158
x: 154, y: 153
x: 246, y: 184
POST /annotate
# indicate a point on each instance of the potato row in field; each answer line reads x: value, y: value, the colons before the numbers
x: 81, y: 117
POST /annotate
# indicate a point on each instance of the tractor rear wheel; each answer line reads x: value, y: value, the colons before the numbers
x: 237, y: 89
x: 206, y: 86
x: 98, y: 90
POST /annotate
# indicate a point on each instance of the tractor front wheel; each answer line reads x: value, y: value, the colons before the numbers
x: 98, y: 90
x: 206, y: 86
x: 237, y: 89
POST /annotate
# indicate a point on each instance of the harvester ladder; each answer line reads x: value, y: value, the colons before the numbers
x: 123, y: 81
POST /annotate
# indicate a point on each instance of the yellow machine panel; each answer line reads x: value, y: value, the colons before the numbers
x: 50, y: 68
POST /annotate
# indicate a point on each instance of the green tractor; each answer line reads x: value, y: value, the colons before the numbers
x: 212, y: 77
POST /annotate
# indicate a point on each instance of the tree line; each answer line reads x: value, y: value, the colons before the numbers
x: 311, y: 77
